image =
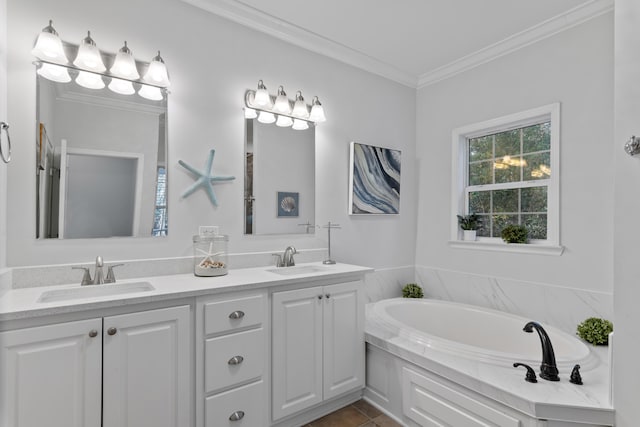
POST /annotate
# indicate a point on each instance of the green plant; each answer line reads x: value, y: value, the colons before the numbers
x: 469, y: 222
x: 514, y: 234
x: 595, y: 330
x: 411, y: 290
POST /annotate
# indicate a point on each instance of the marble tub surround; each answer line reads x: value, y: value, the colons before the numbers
x: 22, y: 303
x: 559, y: 306
x: 385, y: 283
x: 561, y: 400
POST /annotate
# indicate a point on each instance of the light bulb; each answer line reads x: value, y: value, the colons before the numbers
x: 89, y: 56
x: 317, y: 112
x: 262, y: 98
x: 300, y: 107
x: 49, y: 46
x: 123, y: 87
x: 150, y: 92
x: 124, y: 65
x: 300, y: 124
x: 250, y: 113
x: 157, y: 73
x: 55, y: 73
x: 282, y: 102
x: 265, y: 117
x: 284, y: 121
x: 89, y: 80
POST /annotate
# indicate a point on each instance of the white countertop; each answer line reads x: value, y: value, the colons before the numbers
x: 23, y: 303
x: 561, y: 400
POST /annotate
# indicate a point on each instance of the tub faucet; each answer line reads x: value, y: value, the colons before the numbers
x: 287, y: 258
x: 548, y: 369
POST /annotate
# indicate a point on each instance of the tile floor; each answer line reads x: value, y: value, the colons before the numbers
x: 358, y: 414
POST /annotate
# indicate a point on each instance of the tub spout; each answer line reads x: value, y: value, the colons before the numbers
x: 548, y: 369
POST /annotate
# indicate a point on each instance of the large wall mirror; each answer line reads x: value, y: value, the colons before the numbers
x: 279, y: 179
x: 100, y: 163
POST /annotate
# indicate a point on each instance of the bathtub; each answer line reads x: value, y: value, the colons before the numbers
x: 476, y: 333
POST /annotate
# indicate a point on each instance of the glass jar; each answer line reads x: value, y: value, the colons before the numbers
x: 210, y: 255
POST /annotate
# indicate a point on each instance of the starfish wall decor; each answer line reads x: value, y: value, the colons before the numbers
x: 204, y: 179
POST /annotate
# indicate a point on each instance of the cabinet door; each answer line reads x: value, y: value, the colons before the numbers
x: 296, y: 350
x: 51, y: 375
x: 344, y: 346
x: 146, y: 378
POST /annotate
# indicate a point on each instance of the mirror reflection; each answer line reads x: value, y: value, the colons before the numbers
x: 100, y: 163
x: 279, y: 179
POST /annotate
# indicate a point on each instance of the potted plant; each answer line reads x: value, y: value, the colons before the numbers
x: 515, y: 234
x: 470, y: 224
x: 595, y: 330
x: 411, y: 290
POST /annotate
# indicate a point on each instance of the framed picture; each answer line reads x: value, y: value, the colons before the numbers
x: 288, y: 204
x: 374, y: 180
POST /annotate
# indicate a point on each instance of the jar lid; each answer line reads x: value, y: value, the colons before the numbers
x: 215, y: 238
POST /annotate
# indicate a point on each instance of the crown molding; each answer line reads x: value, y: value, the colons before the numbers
x: 545, y: 29
x: 283, y: 30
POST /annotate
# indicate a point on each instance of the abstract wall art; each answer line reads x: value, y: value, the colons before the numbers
x: 374, y: 180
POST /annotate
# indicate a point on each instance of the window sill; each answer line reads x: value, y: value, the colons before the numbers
x: 522, y: 248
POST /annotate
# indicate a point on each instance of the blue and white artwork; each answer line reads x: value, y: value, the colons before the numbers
x: 375, y: 180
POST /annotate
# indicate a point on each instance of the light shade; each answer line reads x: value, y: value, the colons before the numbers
x: 317, y: 112
x: 123, y: 87
x: 124, y: 65
x: 300, y: 124
x: 282, y: 102
x: 250, y: 113
x: 49, y: 46
x: 262, y: 98
x: 300, y: 107
x: 265, y: 117
x: 89, y: 56
x: 150, y: 92
x: 55, y: 73
x: 90, y: 80
x: 157, y: 73
x: 284, y: 121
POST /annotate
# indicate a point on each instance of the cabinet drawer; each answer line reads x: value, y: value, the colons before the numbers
x: 231, y: 314
x: 431, y: 403
x: 247, y: 403
x: 231, y: 359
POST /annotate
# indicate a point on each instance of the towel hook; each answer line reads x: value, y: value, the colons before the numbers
x: 5, y: 127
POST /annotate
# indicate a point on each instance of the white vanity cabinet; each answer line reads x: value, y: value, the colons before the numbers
x: 120, y: 371
x: 317, y: 345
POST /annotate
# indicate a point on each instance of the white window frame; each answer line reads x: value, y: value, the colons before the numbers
x: 459, y: 156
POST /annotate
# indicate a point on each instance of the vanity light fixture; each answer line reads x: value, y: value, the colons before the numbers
x: 89, y: 56
x: 90, y: 80
x: 278, y: 108
x: 124, y: 65
x: 55, y: 73
x: 123, y: 87
x: 49, y: 46
x: 150, y: 92
x: 157, y: 73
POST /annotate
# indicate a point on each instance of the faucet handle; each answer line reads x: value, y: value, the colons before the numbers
x: 279, y: 262
x: 531, y: 374
x: 111, y: 278
x: 86, y: 277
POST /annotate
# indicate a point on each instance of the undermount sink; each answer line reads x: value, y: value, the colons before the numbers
x: 300, y: 269
x: 92, y: 291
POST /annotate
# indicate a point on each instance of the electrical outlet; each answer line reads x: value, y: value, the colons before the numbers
x: 208, y: 230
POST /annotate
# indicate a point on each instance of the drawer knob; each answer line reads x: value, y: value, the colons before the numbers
x: 93, y: 333
x: 236, y: 416
x: 236, y: 315
x: 236, y: 360
x: 112, y: 331
x: 320, y: 297
x: 327, y: 296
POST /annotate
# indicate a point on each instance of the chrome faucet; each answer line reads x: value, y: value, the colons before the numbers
x: 98, y: 276
x: 548, y: 369
x: 287, y: 258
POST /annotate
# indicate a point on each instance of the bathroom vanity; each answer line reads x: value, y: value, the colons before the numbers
x: 258, y: 347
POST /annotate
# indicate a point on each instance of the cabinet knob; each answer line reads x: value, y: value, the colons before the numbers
x: 236, y: 360
x: 112, y: 331
x: 93, y: 333
x: 236, y: 416
x: 319, y: 296
x: 236, y: 315
x: 328, y: 296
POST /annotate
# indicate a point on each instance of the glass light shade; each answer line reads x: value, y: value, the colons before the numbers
x: 250, y: 113
x: 123, y: 87
x: 150, y: 92
x: 55, y: 73
x: 49, y: 46
x: 317, y: 112
x: 89, y: 56
x: 300, y: 107
x: 261, y: 98
x: 157, y: 73
x: 90, y: 80
x: 300, y: 124
x: 265, y: 117
x: 282, y: 102
x: 125, y: 65
x: 284, y: 121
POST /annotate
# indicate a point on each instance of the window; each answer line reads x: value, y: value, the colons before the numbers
x: 506, y: 172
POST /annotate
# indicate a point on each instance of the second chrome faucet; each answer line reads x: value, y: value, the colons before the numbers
x: 286, y: 260
x: 98, y: 275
